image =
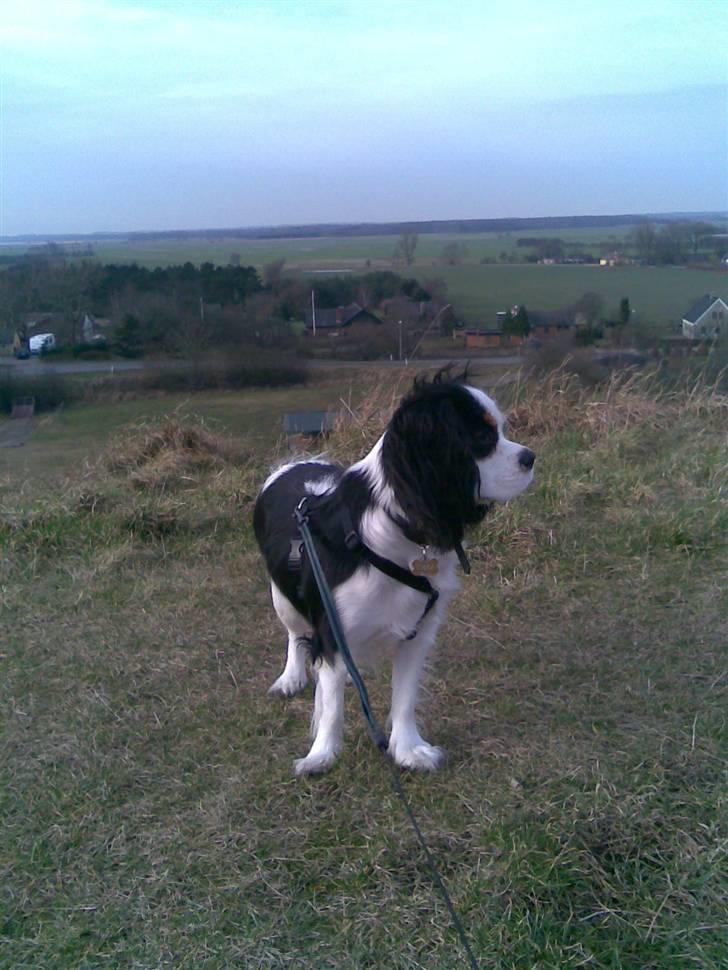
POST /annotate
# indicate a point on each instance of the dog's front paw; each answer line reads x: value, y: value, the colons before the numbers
x: 315, y: 763
x: 288, y: 685
x: 419, y: 757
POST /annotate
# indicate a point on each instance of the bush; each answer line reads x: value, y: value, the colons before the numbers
x: 96, y: 350
x: 48, y: 391
x: 207, y: 374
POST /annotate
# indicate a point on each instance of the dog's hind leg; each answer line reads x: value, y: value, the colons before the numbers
x: 294, y: 677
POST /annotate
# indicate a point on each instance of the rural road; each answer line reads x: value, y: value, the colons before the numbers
x: 35, y: 368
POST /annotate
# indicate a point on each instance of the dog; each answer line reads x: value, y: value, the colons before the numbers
x: 380, y: 526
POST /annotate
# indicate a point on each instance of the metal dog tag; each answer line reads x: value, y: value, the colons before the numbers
x: 425, y: 566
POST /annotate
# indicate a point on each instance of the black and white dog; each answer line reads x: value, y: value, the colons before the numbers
x: 442, y: 458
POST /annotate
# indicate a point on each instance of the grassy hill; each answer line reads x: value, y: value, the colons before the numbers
x: 149, y: 814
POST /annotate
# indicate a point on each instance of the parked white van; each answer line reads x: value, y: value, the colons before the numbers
x: 42, y: 342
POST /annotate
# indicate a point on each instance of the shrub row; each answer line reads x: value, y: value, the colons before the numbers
x: 48, y: 390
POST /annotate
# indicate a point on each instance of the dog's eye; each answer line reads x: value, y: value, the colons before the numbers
x: 484, y: 441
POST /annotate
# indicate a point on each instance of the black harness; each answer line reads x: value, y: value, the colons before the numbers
x: 354, y: 543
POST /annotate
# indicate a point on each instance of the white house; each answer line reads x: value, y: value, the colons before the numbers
x: 707, y: 318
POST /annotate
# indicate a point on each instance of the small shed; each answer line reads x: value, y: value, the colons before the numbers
x: 310, y: 424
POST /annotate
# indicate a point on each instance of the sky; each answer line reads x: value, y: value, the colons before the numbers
x: 119, y: 115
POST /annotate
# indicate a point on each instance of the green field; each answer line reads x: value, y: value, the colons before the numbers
x: 148, y: 811
x: 333, y: 252
x: 659, y: 295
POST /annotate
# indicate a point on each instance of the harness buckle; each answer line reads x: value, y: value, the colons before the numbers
x: 295, y: 555
x: 352, y: 540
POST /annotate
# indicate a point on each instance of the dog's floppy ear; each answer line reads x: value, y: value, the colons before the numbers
x: 427, y: 461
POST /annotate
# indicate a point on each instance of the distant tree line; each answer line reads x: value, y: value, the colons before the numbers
x: 676, y: 243
x: 184, y: 309
x: 451, y: 226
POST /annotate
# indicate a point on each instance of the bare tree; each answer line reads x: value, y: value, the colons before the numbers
x: 406, y: 246
x: 273, y: 273
x: 643, y: 239
x: 453, y: 253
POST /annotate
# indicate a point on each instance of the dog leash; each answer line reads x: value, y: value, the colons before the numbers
x: 377, y: 735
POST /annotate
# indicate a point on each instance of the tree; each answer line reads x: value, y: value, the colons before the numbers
x: 624, y: 311
x: 671, y: 245
x: 273, y: 273
x: 517, y: 323
x: 590, y: 306
x: 128, y: 337
x: 453, y: 253
x: 643, y: 240
x: 698, y: 232
x: 522, y: 325
x: 406, y: 246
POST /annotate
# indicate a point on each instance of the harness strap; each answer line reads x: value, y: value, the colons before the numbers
x: 458, y: 547
x: 354, y: 543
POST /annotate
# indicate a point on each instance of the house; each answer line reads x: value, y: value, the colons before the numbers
x: 481, y: 339
x: 94, y: 329
x: 334, y: 321
x: 706, y: 319
x: 616, y: 259
x: 39, y: 320
x: 414, y: 312
x: 546, y: 324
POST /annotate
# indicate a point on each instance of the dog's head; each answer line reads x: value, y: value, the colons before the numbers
x: 446, y: 454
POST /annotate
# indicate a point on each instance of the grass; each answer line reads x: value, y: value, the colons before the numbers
x: 659, y: 295
x: 64, y: 440
x: 150, y: 817
x: 332, y: 252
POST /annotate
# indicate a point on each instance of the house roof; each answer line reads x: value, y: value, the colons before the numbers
x: 342, y: 316
x: 35, y: 317
x: 548, y: 318
x: 702, y: 306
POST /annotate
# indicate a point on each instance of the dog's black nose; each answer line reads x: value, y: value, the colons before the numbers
x: 526, y: 459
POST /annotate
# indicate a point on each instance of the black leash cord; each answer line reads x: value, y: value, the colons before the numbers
x: 378, y: 736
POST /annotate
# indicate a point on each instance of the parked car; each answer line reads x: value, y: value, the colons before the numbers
x: 42, y: 342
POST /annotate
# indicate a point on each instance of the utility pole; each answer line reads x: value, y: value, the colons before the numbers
x: 313, y: 312
x: 400, y: 340
x: 448, y: 306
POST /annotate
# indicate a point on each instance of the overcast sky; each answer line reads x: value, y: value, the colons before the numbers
x: 163, y: 115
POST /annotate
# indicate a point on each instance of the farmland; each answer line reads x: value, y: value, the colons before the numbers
x: 477, y: 290
x: 477, y: 286
x: 659, y: 295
